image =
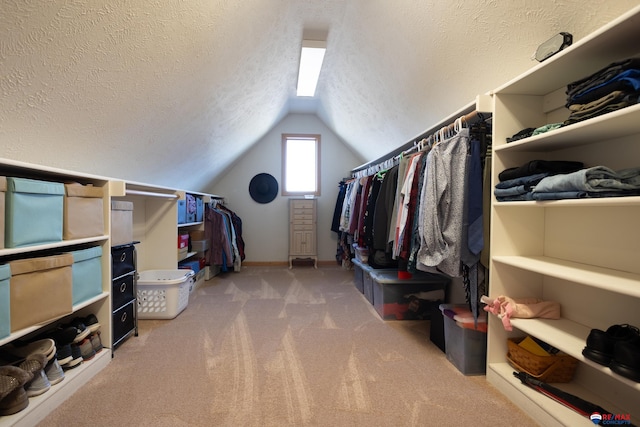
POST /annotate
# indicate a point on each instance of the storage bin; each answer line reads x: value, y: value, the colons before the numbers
x: 190, y: 265
x: 121, y: 222
x: 123, y: 260
x: 5, y: 314
x: 199, y: 209
x: 183, y: 241
x: 83, y: 211
x: 407, y: 299
x: 41, y: 290
x: 33, y: 212
x: 182, y: 211
x: 199, y: 245
x: 465, y: 347
x: 359, y: 270
x: 191, y: 207
x: 554, y: 368
x: 163, y: 294
x: 3, y: 189
x: 86, y: 274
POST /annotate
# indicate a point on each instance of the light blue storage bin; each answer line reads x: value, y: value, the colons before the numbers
x: 182, y: 211
x: 86, y: 274
x: 199, y: 209
x: 33, y: 212
x: 5, y: 315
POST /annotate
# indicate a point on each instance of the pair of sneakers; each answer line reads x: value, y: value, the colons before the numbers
x: 618, y: 348
x: 39, y: 359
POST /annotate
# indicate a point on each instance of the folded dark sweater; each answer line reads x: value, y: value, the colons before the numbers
x: 540, y: 166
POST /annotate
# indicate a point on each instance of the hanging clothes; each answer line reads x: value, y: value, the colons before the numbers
x: 443, y: 205
x: 223, y: 230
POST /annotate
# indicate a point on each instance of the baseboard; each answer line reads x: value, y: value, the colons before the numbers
x: 326, y: 263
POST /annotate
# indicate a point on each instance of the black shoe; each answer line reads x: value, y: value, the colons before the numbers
x: 600, y: 345
x: 626, y: 359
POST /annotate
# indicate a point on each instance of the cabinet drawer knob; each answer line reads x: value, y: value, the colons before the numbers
x: 123, y: 287
x: 123, y: 256
x: 123, y: 318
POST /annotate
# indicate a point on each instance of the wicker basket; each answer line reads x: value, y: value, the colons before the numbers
x: 556, y: 368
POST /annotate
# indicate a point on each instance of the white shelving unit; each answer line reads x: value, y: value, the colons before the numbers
x: 583, y: 253
x: 99, y: 305
x: 155, y: 223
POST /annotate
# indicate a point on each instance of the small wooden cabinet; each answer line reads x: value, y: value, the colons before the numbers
x: 302, y: 230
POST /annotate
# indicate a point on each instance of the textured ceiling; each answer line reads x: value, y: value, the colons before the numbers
x: 130, y: 89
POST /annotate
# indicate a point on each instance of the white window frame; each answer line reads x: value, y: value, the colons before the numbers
x: 286, y: 137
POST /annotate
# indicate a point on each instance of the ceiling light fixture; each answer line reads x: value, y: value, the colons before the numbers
x: 311, y: 59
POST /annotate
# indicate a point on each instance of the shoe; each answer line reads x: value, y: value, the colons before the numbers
x: 91, y: 322
x: 96, y: 342
x: 35, y: 363
x: 81, y: 329
x: 76, y: 358
x: 600, y: 345
x: 13, y: 397
x: 63, y: 354
x: 19, y: 350
x: 626, y: 359
x: 63, y: 335
x: 86, y: 349
x: 54, y: 371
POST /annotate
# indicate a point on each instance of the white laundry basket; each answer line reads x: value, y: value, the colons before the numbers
x: 163, y: 294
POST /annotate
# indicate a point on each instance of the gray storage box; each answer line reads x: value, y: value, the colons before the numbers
x: 121, y: 222
x: 465, y: 347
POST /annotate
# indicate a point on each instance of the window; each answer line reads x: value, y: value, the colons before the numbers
x: 300, y: 164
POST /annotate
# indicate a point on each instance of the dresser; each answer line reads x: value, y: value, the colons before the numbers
x: 302, y: 230
x: 123, y: 293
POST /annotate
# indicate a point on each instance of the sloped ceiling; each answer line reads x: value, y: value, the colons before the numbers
x: 172, y: 92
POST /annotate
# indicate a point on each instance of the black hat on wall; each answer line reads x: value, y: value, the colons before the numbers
x: 263, y: 188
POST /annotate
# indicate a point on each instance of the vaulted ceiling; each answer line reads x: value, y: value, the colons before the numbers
x: 172, y: 92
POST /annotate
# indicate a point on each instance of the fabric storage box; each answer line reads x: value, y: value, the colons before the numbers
x: 86, y: 274
x: 465, y: 346
x: 3, y: 189
x: 123, y: 260
x: 407, y: 299
x: 199, y: 245
x: 163, y: 294
x: 83, y: 211
x: 190, y: 265
x: 191, y: 209
x: 33, y: 212
x: 41, y: 290
x: 121, y: 222
x: 199, y: 209
x: 5, y: 314
x: 183, y: 241
x: 182, y: 211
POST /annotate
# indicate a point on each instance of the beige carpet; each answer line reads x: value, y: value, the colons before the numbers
x: 270, y: 346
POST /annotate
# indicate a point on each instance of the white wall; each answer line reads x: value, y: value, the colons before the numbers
x: 266, y: 226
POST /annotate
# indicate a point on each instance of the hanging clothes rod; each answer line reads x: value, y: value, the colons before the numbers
x: 151, y: 194
x: 473, y: 113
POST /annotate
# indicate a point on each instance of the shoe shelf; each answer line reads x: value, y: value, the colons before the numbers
x: 40, y: 406
x: 544, y: 410
x: 571, y: 337
x: 606, y: 279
